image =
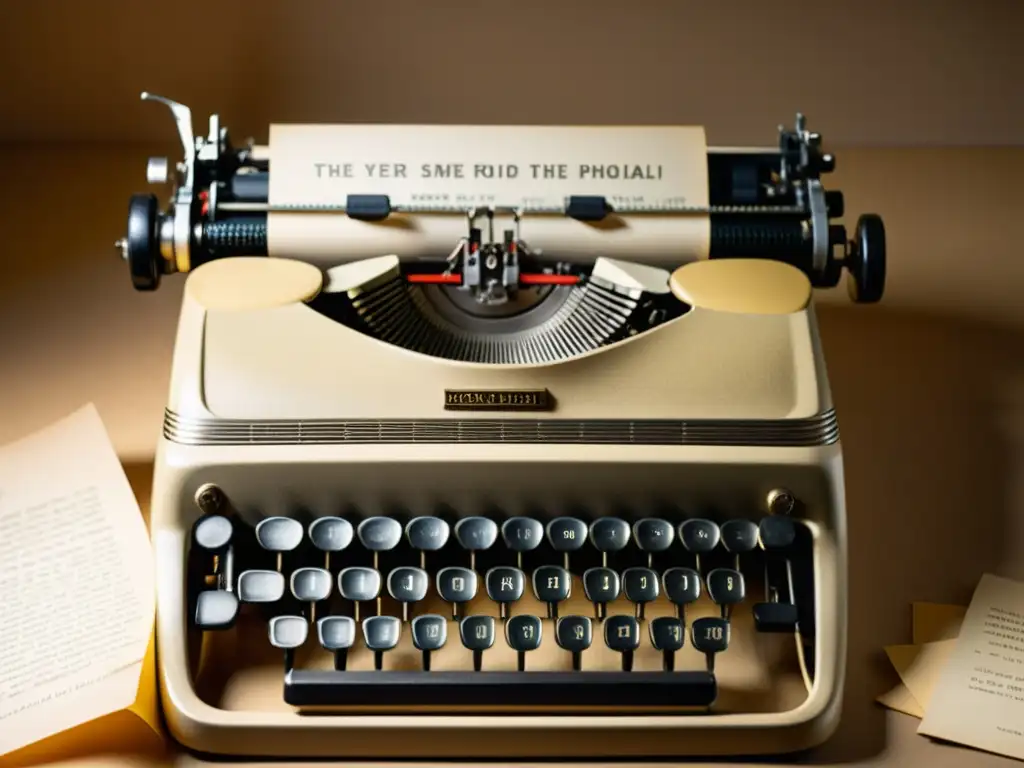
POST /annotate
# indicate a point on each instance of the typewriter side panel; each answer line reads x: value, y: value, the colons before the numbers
x: 267, y: 480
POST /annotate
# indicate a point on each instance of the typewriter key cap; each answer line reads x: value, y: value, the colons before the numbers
x: 776, y: 533
x: 667, y: 636
x: 381, y: 633
x: 523, y: 634
x: 653, y: 535
x: 311, y: 585
x: 566, y: 534
x: 505, y: 585
x: 641, y: 587
x: 699, y: 536
x: 682, y: 586
x: 408, y: 585
x: 574, y: 634
x: 726, y: 588
x: 330, y: 534
x: 776, y: 617
x: 476, y: 534
x: 260, y: 586
x: 477, y: 634
x: 622, y: 634
x: 279, y: 534
x: 522, y: 534
x: 379, y: 534
x: 426, y: 534
x: 710, y: 636
x: 337, y: 634
x: 288, y: 633
x: 212, y: 533
x: 601, y: 586
x: 609, y: 534
x: 739, y: 536
x: 360, y: 585
x: 216, y: 609
x: 456, y: 585
x: 552, y: 584
x: 429, y: 633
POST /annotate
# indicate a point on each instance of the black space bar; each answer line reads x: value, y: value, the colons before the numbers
x: 325, y: 688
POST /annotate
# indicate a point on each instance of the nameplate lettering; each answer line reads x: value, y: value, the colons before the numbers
x: 497, y: 400
x: 439, y: 167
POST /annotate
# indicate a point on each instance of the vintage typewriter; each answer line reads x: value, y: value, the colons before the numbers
x: 541, y: 462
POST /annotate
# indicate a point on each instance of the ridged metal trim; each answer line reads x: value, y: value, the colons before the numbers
x: 822, y: 429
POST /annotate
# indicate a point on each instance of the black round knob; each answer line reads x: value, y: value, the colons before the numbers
x: 866, y: 260
x: 143, y: 245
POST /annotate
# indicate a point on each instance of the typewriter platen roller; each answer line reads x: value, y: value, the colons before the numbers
x: 501, y: 488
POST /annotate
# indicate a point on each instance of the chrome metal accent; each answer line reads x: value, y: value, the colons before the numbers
x: 819, y: 430
x: 249, y: 207
x: 157, y: 170
x: 121, y: 246
x: 819, y: 224
x: 780, y: 501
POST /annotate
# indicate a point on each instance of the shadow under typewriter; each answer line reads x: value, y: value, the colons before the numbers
x: 620, y: 669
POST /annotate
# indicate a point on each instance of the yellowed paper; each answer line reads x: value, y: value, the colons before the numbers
x: 932, y: 622
x: 427, y: 170
x: 979, y: 698
x: 919, y: 667
x: 936, y: 621
x: 76, y: 591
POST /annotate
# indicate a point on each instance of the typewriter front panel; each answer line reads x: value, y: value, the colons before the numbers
x: 540, y: 593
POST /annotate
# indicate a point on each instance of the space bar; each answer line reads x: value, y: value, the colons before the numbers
x: 326, y: 688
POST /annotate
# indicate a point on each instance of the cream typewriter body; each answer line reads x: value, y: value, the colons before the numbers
x: 571, y: 490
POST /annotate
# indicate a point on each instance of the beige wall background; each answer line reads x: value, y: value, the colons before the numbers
x: 920, y: 100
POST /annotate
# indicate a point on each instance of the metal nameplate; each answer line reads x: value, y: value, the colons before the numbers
x: 497, y: 400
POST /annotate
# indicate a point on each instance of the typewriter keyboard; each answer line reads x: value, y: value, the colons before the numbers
x: 498, y: 612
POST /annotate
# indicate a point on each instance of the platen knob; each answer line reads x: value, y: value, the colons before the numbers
x: 142, y: 248
x: 865, y: 260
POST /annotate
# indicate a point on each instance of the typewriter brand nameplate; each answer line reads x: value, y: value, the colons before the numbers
x: 534, y: 168
x: 497, y: 400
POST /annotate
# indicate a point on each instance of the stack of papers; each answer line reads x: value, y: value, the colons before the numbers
x: 963, y: 675
x: 77, y: 672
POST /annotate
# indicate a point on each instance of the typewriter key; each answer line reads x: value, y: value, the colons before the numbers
x: 288, y: 633
x: 566, y: 534
x: 212, y: 533
x: 330, y: 534
x: 601, y: 586
x: 622, y: 634
x: 609, y: 534
x: 456, y: 585
x: 477, y: 634
x: 429, y: 633
x: 521, y: 534
x: 552, y: 584
x: 260, y: 586
x: 279, y: 534
x: 311, y: 585
x: 379, y: 534
x: 699, y: 537
x: 505, y: 585
x: 381, y: 633
x: 426, y: 534
x: 726, y: 588
x: 653, y: 535
x: 523, y: 634
x: 667, y: 636
x: 776, y: 533
x: 641, y: 587
x: 216, y: 609
x: 476, y: 534
x: 337, y: 634
x: 739, y: 536
x: 360, y: 585
x: 682, y: 587
x: 574, y: 634
x: 408, y: 585
x: 710, y: 636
